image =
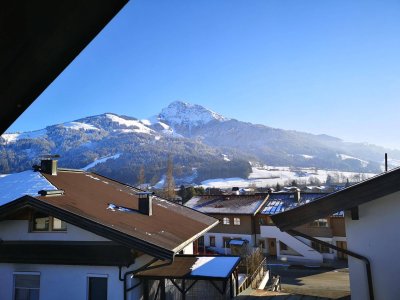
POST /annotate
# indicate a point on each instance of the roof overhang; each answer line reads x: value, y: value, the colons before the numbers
x: 181, y: 268
x: 86, y: 224
x: 66, y: 253
x: 38, y: 40
x: 346, y: 199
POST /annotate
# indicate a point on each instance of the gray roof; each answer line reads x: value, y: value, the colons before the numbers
x: 279, y: 202
x: 228, y: 204
x: 346, y: 199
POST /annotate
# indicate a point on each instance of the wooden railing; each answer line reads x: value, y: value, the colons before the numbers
x: 258, y: 274
x: 255, y: 278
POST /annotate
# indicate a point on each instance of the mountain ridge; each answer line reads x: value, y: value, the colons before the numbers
x: 201, y: 141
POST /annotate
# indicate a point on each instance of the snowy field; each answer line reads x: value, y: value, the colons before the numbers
x: 101, y: 160
x: 270, y: 176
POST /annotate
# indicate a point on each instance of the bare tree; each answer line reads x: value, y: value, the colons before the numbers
x: 169, y: 187
x: 141, y: 177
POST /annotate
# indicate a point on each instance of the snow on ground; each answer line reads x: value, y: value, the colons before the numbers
x: 364, y: 163
x: 306, y: 156
x: 161, y: 183
x: 180, y: 112
x: 101, y: 160
x: 13, y: 137
x: 16, y: 185
x: 392, y: 163
x: 78, y: 126
x: 270, y: 176
x: 145, y: 122
x: 225, y: 157
x: 140, y: 127
x: 225, y: 182
x: 241, y: 278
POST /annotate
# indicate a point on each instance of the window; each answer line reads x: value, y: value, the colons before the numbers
x: 320, y: 248
x: 225, y: 221
x: 97, y: 288
x: 26, y: 286
x: 320, y: 223
x: 225, y: 241
x: 283, y: 246
x: 43, y: 222
x: 212, y: 241
x: 201, y: 241
x: 236, y: 221
x: 265, y: 221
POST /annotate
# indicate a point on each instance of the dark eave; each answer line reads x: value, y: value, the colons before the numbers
x: 86, y: 224
x: 181, y: 269
x: 38, y: 40
x: 346, y: 199
x: 66, y: 253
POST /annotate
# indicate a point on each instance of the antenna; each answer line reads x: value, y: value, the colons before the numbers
x: 386, y: 162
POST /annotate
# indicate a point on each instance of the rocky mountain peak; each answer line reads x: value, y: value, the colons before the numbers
x: 190, y: 115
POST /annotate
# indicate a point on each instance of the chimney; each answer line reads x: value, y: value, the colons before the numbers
x: 145, y: 203
x: 48, y: 164
x: 297, y: 195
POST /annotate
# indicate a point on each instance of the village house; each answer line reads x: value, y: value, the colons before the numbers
x: 372, y: 221
x: 290, y: 248
x: 248, y: 217
x: 237, y: 215
x: 71, y: 234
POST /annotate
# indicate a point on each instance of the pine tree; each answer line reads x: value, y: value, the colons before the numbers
x: 182, y: 192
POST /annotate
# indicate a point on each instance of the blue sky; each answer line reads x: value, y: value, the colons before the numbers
x: 317, y: 66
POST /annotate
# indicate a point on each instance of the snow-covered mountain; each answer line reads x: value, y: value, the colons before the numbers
x: 204, y: 144
x: 182, y: 114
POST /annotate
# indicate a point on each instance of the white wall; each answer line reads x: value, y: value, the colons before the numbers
x: 307, y: 254
x: 14, y: 230
x: 188, y: 249
x: 376, y: 236
x: 219, y: 240
x: 63, y: 282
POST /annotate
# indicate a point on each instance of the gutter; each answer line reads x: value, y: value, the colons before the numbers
x: 350, y: 253
x: 132, y: 273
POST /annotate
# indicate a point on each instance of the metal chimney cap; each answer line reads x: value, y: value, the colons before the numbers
x: 50, y: 157
x: 144, y: 193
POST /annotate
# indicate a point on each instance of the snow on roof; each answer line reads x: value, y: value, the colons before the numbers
x: 16, y: 185
x: 274, y: 207
x: 279, y: 202
x: 139, y: 126
x: 219, y: 266
x: 237, y: 242
x: 101, y: 160
x: 236, y: 204
x: 78, y: 126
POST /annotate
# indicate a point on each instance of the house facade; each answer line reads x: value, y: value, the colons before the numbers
x: 286, y: 247
x: 68, y: 234
x: 248, y: 217
x: 237, y: 216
